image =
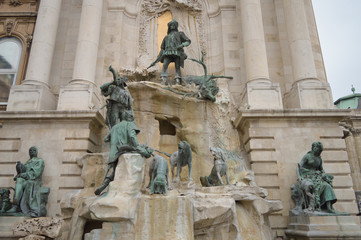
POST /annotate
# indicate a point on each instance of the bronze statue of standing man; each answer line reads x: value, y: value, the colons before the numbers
x: 119, y: 99
x: 172, y: 51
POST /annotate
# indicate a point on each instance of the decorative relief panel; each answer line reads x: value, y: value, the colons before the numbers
x: 24, y: 5
x: 15, y: 3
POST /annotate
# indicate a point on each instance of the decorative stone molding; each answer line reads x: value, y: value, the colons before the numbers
x: 23, y: 6
x: 9, y: 28
x: 15, y: 3
x: 157, y: 6
x: 348, y: 129
x: 29, y: 39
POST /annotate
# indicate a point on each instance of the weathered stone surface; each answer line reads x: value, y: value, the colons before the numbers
x: 122, y: 230
x: 33, y: 237
x: 7, y: 224
x: 165, y: 217
x: 187, y: 212
x: 45, y: 226
x: 92, y: 168
x: 215, y: 218
x: 120, y: 202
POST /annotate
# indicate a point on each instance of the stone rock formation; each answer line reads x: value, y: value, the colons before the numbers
x: 39, y: 228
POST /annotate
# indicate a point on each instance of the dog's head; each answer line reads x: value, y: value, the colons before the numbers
x: 159, y: 185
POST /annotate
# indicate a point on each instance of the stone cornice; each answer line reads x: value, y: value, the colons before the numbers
x: 94, y: 116
x: 244, y: 115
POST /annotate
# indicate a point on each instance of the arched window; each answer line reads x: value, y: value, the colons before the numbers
x: 10, y: 56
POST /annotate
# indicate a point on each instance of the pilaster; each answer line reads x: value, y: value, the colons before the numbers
x: 82, y: 86
x: 260, y: 92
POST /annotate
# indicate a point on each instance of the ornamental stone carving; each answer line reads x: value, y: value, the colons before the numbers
x: 15, y: 3
x: 9, y: 28
x: 159, y: 6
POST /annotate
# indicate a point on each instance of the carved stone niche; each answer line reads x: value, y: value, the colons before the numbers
x: 153, y: 18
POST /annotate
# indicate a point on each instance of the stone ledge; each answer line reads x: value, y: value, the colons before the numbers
x: 52, y: 114
x: 244, y: 114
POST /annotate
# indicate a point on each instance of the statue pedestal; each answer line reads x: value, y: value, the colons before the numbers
x: 6, y: 227
x: 324, y: 227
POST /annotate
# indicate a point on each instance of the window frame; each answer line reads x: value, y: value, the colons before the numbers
x: 18, y: 60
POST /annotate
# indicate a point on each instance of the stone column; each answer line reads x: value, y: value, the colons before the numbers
x: 306, y: 85
x: 34, y: 92
x: 303, y: 63
x: 260, y: 91
x: 82, y: 92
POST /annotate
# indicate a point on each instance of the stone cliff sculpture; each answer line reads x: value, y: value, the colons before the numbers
x: 172, y: 51
x: 313, y: 192
x: 219, y: 170
x: 119, y: 99
x: 123, y: 139
x: 181, y: 158
x: 29, y: 197
x: 159, y: 175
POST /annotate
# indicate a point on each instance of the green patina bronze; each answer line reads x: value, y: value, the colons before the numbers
x: 119, y: 99
x: 159, y: 176
x: 313, y: 192
x: 172, y: 51
x: 219, y: 170
x: 123, y: 139
x: 207, y: 85
x: 29, y: 197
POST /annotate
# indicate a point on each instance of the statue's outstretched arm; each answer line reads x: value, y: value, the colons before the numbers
x: 115, y: 75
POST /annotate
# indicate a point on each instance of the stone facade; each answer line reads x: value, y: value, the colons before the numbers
x: 266, y: 117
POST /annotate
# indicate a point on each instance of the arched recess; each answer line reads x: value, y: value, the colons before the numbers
x: 21, y: 29
x: 192, y: 19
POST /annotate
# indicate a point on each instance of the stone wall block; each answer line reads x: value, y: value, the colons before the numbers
x: 261, y: 144
x: 265, y: 167
x: 345, y: 194
x: 337, y: 168
x: 342, y: 181
x: 330, y: 143
x: 267, y: 180
x: 339, y: 155
x: 263, y: 156
x: 346, y: 206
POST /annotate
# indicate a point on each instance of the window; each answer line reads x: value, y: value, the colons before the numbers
x: 10, y: 56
